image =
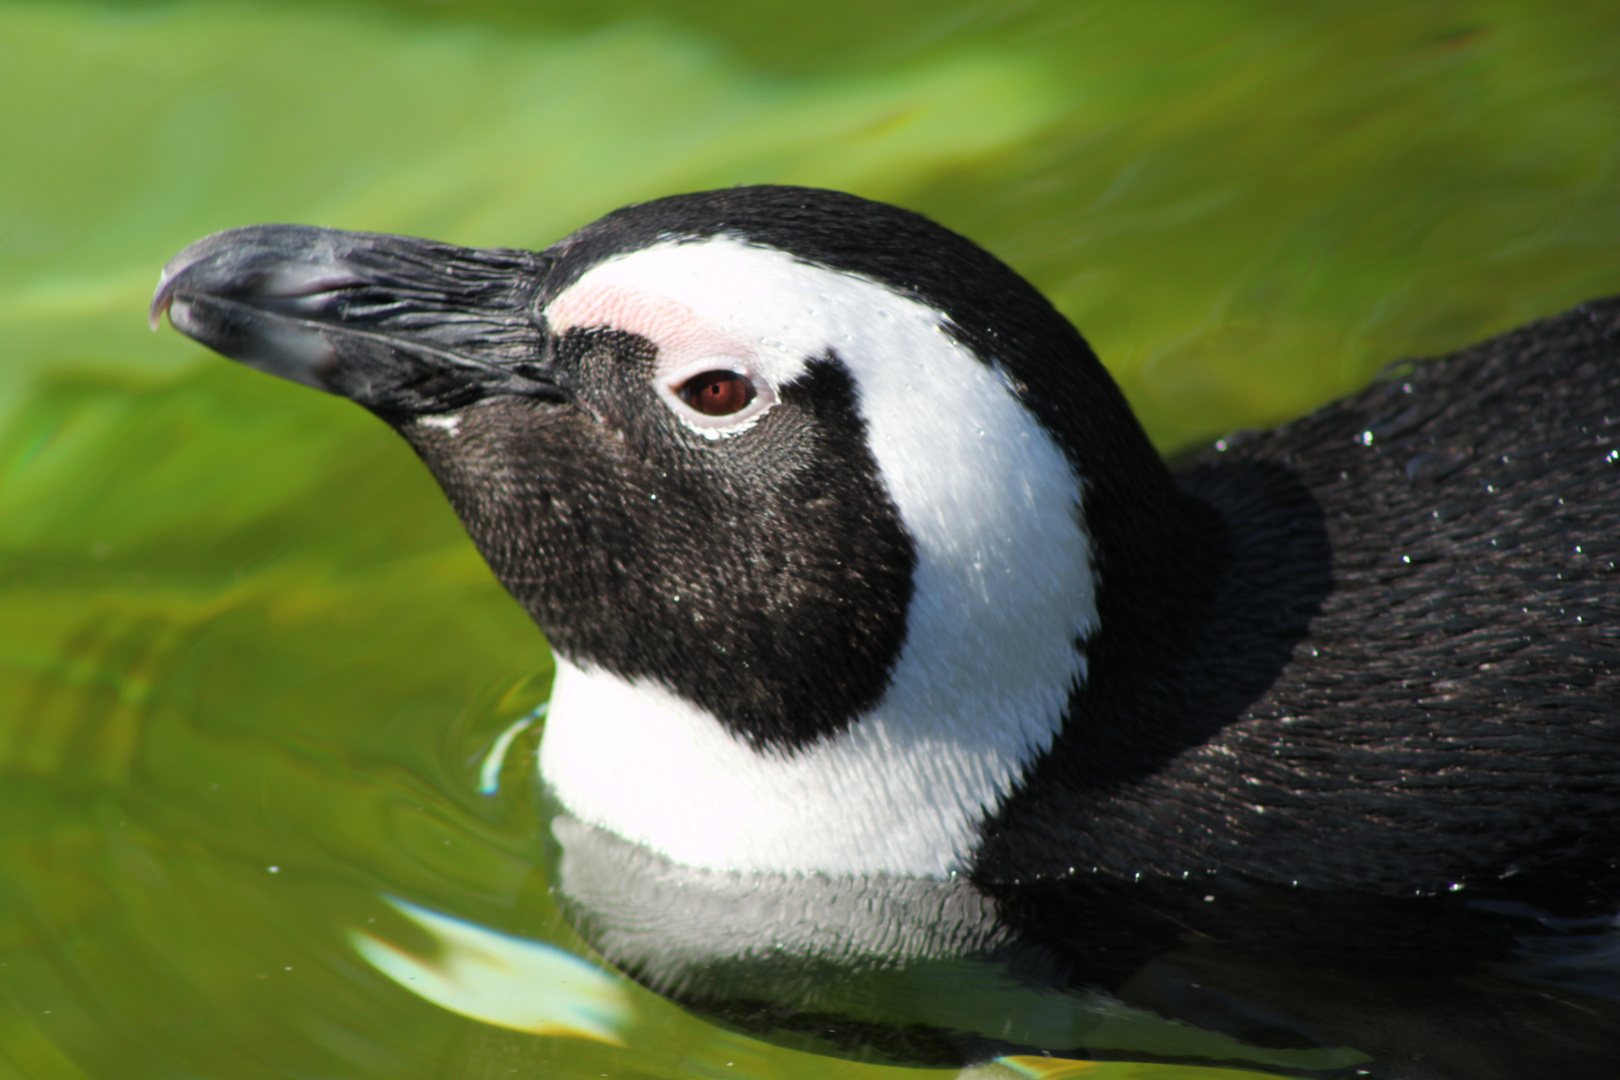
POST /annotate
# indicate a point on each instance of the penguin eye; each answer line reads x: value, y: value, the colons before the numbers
x: 716, y: 396
x: 717, y: 393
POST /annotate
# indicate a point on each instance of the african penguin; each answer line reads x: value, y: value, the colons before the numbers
x: 855, y: 561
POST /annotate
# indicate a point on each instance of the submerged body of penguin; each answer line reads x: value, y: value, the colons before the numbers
x: 856, y: 565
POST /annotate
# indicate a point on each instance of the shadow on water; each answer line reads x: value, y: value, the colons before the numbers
x: 942, y: 973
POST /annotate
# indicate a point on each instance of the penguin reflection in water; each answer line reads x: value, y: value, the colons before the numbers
x: 870, y: 597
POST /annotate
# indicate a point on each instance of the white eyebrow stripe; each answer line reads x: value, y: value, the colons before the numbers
x: 731, y: 289
x: 681, y: 335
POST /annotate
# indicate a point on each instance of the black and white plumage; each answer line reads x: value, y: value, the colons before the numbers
x: 921, y: 598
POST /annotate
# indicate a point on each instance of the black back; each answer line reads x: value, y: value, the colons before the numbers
x: 1448, y: 722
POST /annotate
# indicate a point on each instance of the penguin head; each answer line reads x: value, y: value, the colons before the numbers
x: 819, y: 505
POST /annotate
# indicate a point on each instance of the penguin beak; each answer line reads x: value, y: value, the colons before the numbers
x: 399, y: 325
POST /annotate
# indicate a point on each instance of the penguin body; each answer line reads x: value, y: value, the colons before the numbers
x: 1426, y: 607
x: 856, y: 562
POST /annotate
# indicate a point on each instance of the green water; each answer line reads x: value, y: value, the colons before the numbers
x: 249, y: 666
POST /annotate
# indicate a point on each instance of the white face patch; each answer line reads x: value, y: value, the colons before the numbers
x: 1002, y: 591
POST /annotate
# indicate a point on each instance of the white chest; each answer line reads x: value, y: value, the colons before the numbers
x: 901, y: 792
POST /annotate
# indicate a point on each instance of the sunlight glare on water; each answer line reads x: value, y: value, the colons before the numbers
x: 251, y: 672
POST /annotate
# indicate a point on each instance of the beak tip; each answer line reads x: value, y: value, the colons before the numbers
x: 160, y: 301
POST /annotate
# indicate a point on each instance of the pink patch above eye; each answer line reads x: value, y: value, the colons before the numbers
x: 681, y: 335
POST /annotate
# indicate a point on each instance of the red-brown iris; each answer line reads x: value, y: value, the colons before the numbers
x: 717, y: 393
